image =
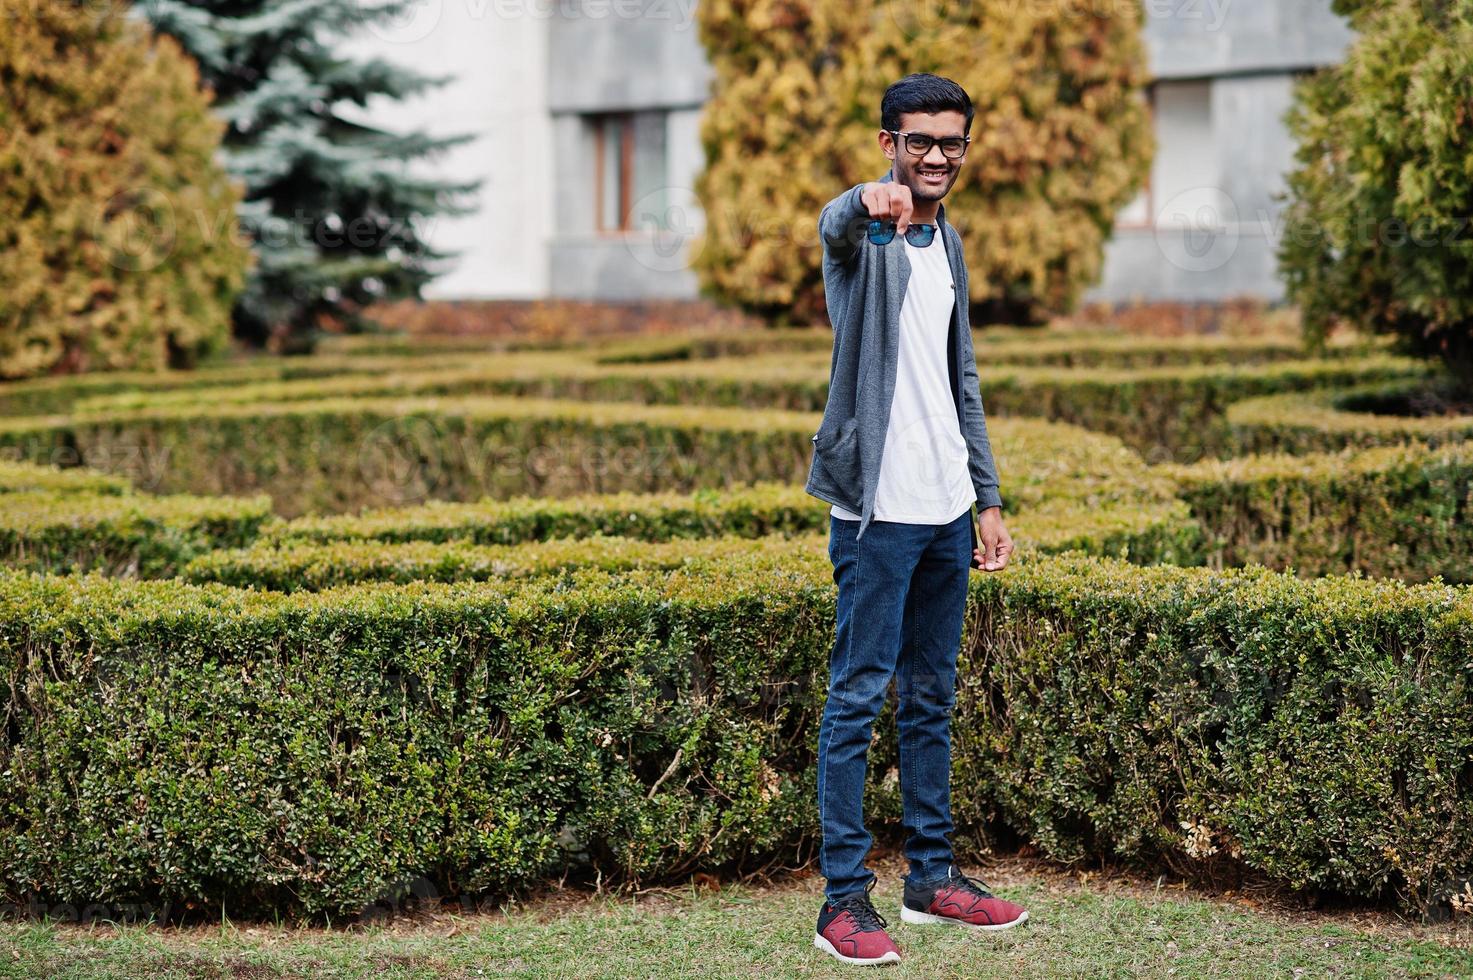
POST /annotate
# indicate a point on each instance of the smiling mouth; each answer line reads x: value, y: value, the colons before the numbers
x: 933, y: 174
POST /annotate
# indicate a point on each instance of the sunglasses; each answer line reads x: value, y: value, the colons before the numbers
x: 883, y: 233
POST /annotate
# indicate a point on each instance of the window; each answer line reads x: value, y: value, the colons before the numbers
x: 1186, y: 185
x: 1184, y: 189
x: 1137, y: 214
x: 630, y: 179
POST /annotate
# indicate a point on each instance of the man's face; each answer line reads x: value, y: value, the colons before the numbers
x: 929, y: 177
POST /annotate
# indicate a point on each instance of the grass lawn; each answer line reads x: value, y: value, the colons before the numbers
x: 1080, y: 926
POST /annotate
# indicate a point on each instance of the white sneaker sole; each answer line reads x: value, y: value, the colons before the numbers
x: 908, y: 914
x: 828, y: 947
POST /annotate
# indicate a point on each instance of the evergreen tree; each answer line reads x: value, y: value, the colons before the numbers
x: 1061, y: 140
x: 119, y: 246
x: 330, y: 206
x: 1379, y: 233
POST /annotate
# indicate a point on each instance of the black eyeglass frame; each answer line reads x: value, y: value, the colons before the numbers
x: 930, y: 142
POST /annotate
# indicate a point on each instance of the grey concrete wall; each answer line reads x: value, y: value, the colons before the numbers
x: 1199, y: 38
x: 1188, y: 266
x: 625, y: 54
x: 1253, y: 144
x: 1215, y: 235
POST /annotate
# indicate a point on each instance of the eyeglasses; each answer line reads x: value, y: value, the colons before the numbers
x: 919, y: 144
x: 883, y: 233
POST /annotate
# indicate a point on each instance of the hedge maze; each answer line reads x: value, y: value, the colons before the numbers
x: 284, y: 637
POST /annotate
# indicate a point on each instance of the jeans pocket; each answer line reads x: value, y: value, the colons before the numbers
x: 838, y: 450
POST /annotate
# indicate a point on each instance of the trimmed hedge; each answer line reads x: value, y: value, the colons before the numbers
x: 1054, y: 465
x: 1084, y: 350
x: 1400, y: 511
x: 30, y: 476
x: 752, y: 511
x: 1167, y: 413
x: 316, y: 752
x: 338, y: 455
x: 56, y: 394
x: 59, y: 394
x: 1000, y: 345
x: 769, y: 381
x: 1320, y: 421
x: 1313, y: 730
x: 296, y: 566
x: 1172, y: 414
x: 220, y: 377
x: 306, y: 754
x: 405, y: 344
x: 703, y: 346
x: 122, y: 534
x: 1143, y: 534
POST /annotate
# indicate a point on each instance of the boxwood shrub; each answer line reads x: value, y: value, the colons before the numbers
x: 301, y: 565
x: 997, y: 345
x: 343, y: 454
x: 1312, y: 730
x: 1170, y: 414
x: 1326, y: 420
x: 1392, y: 511
x: 1174, y: 412
x: 122, y: 534
x: 31, y: 476
x: 314, y: 752
x: 1143, y: 534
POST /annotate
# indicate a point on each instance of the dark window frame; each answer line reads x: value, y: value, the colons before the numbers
x: 626, y: 170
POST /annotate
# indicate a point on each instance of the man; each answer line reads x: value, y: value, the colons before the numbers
x: 902, y: 455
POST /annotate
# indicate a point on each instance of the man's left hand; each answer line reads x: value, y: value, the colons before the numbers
x: 997, y: 544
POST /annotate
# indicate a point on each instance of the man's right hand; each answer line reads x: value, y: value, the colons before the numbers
x: 888, y: 201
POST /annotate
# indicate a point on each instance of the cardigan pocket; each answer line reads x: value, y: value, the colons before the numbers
x: 838, y: 450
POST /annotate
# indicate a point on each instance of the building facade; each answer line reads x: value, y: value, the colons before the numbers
x: 590, y: 113
x: 1204, y: 229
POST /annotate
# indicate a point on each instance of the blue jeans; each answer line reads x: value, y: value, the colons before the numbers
x: 902, y: 599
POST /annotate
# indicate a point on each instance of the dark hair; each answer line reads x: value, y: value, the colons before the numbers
x: 924, y: 93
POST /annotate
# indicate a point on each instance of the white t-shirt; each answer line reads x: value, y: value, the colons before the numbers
x: 924, y: 477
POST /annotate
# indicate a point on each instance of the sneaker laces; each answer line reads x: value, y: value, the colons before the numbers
x: 863, y: 911
x: 971, y: 886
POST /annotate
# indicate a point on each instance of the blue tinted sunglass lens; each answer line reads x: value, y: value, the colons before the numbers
x: 881, y: 232
x: 920, y: 235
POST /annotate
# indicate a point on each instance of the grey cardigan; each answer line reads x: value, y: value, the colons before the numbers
x: 864, y: 285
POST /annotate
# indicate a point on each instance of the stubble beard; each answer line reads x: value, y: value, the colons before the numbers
x: 918, y: 189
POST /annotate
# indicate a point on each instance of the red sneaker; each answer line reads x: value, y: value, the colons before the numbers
x: 958, y: 900
x: 852, y: 930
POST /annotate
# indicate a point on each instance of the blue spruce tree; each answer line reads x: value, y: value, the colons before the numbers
x: 329, y: 206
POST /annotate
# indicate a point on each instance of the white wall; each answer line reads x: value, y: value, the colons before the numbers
x: 498, y: 52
